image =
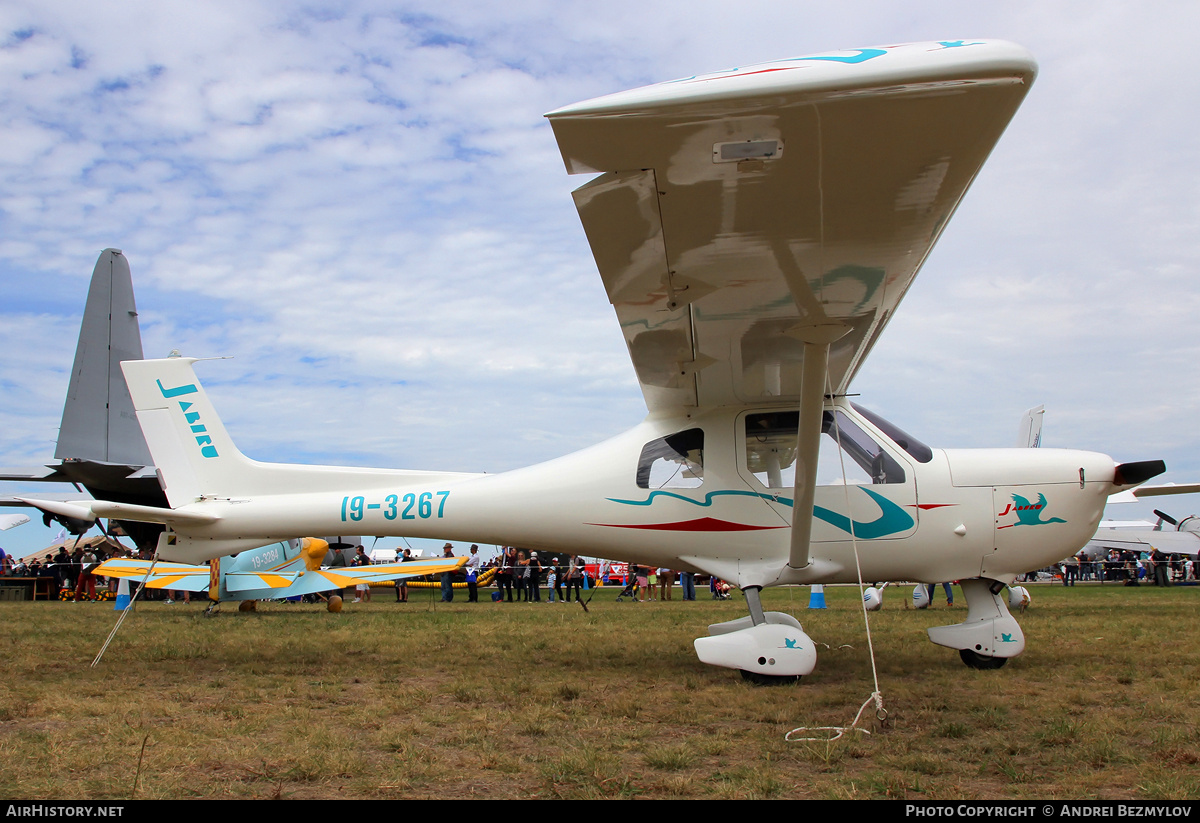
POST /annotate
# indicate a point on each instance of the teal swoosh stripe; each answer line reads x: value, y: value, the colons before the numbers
x: 862, y: 56
x: 892, y: 519
x: 707, y: 498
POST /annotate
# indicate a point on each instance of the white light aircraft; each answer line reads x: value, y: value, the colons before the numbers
x: 755, y: 229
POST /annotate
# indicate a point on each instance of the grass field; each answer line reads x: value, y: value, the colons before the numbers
x: 537, y: 700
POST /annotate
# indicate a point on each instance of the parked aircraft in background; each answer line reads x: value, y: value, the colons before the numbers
x: 1141, y: 536
x: 286, y: 569
x: 100, y: 445
x: 1029, y: 433
x: 755, y: 230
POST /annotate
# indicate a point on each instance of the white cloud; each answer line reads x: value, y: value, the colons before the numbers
x: 366, y: 207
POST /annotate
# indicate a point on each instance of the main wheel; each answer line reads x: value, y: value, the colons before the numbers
x: 981, y: 661
x: 759, y: 679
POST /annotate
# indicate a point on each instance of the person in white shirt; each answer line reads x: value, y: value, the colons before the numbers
x: 474, y: 562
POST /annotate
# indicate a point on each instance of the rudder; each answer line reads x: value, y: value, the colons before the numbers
x: 191, y: 449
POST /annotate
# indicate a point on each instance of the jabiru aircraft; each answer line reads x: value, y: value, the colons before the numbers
x: 755, y: 230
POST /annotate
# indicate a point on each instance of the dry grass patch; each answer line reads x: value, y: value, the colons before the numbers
x: 525, y: 701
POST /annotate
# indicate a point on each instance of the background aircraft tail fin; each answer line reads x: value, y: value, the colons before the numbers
x: 98, y: 421
x: 1029, y: 434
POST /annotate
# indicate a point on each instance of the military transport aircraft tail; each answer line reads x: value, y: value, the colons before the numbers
x: 98, y: 422
x: 100, y: 445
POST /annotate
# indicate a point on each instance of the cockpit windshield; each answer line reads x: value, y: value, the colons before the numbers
x: 915, y: 448
x: 848, y: 453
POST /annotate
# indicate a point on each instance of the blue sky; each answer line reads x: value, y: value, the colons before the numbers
x: 362, y: 204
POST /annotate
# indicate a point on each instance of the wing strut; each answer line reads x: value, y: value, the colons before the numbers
x: 817, y: 340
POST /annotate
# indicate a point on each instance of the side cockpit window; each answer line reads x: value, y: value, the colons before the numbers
x: 771, y: 448
x: 673, y: 462
x: 771, y: 452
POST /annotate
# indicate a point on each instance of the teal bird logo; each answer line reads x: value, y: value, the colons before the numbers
x: 1028, y: 514
x: 1006, y: 638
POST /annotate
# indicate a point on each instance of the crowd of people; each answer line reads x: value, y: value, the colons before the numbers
x: 525, y: 576
x: 68, y: 574
x: 1132, y: 568
x: 521, y: 575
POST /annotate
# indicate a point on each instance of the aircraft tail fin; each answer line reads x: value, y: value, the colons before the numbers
x: 98, y: 421
x: 195, y: 457
x: 192, y: 451
x: 1029, y: 434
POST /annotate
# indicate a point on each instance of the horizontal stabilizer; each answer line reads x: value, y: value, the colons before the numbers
x: 75, y: 510
x: 11, y: 521
x: 150, y: 514
x: 31, y: 473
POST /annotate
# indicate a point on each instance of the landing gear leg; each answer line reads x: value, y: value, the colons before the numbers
x: 990, y: 635
x: 754, y: 604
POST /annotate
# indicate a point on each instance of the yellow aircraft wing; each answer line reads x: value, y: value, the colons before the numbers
x: 396, y: 571
x: 181, y: 576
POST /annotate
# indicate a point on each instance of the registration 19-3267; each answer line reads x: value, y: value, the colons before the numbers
x: 410, y: 506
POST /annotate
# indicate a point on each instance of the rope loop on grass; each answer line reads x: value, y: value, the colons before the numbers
x: 876, y: 697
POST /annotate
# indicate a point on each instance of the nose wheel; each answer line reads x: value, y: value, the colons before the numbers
x: 989, y: 635
x: 981, y: 661
x: 760, y: 679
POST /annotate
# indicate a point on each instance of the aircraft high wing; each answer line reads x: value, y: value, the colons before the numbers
x: 755, y: 230
x: 286, y: 569
x: 745, y: 217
